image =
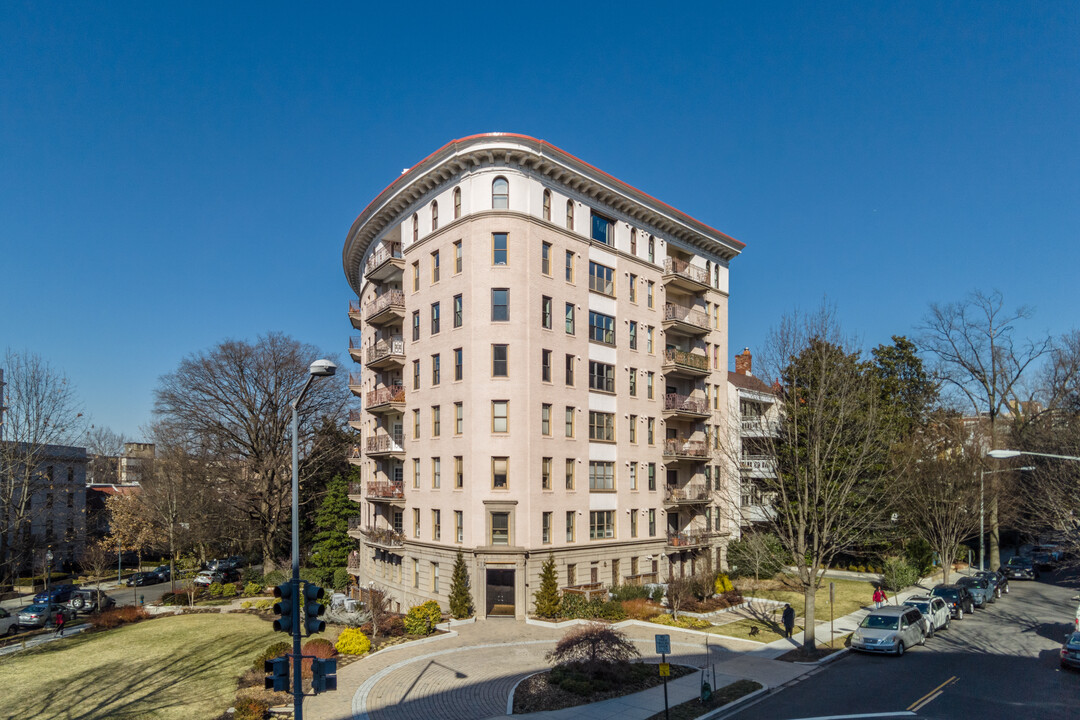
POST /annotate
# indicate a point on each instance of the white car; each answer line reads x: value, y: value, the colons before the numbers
x: 891, y: 629
x: 934, y: 610
x: 9, y: 624
x: 208, y: 577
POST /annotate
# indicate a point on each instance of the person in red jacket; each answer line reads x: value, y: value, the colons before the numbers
x: 59, y: 624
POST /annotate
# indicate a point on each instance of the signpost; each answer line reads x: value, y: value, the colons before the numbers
x: 663, y: 647
x: 832, y: 613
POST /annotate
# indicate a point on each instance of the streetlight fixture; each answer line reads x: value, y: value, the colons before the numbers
x: 48, y: 569
x: 982, y: 515
x: 1006, y: 454
x: 319, y: 368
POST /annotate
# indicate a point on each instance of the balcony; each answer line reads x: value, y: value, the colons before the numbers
x: 356, y: 417
x: 392, y: 492
x: 757, y: 466
x: 384, y: 355
x: 686, y: 364
x: 378, y: 537
x: 385, y: 445
x: 688, y: 539
x: 384, y: 263
x: 676, y: 449
x: 385, y: 399
x: 758, y: 427
x: 685, y: 320
x: 685, y: 406
x: 356, y: 349
x: 386, y: 309
x: 690, y: 495
x: 355, y: 317
x: 356, y: 455
x: 681, y: 274
x: 356, y: 384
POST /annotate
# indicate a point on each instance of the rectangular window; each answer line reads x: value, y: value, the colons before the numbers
x: 570, y: 465
x: 601, y: 475
x: 436, y: 524
x: 545, y: 420
x: 652, y: 477
x: 569, y: 537
x: 633, y: 522
x: 434, y: 318
x: 603, y: 230
x: 601, y: 279
x: 500, y: 305
x: 415, y: 374
x: 545, y: 528
x: 459, y: 418
x: 569, y: 370
x: 633, y: 476
x: 650, y: 430
x: 416, y: 522
x: 459, y: 526
x: 649, y: 339
x: 416, y: 424
x: 652, y: 522
x: 601, y: 524
x: 434, y: 267
x: 545, y: 312
x: 416, y: 571
x: 650, y: 289
x: 633, y: 251
x: 569, y: 266
x: 633, y: 334
x: 436, y: 369
x: 601, y: 426
x: 545, y: 365
x: 498, y: 249
x: 416, y: 472
x: 436, y: 420
x: 499, y: 416
x: 569, y: 318
x: 633, y: 288
x: 499, y: 479
x: 436, y: 473
x: 458, y: 307
x: 459, y: 370
x: 633, y: 429
x: 435, y: 575
x: 650, y: 377
x: 601, y: 328
x: 457, y: 257
x: 601, y: 376
x: 500, y: 528
x: 633, y: 382
x: 545, y: 258
x: 652, y: 249
x: 499, y: 360
x: 459, y: 472
x: 545, y: 473
x: 569, y: 422
x: 416, y: 276
x: 416, y: 325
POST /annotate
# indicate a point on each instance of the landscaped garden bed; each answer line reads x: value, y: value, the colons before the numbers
x: 549, y: 690
x: 692, y: 709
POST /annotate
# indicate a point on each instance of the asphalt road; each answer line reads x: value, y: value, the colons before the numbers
x: 1000, y: 663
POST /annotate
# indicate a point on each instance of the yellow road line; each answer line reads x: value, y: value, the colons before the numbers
x: 926, y: 698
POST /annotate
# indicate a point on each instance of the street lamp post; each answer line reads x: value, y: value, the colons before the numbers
x: 319, y: 368
x: 48, y: 569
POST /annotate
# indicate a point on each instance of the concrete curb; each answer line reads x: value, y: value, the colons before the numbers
x: 638, y: 623
x: 735, y: 703
x: 510, y: 698
x: 827, y: 659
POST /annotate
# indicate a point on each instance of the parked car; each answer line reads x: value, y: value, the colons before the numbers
x: 208, y: 577
x: 163, y: 573
x: 891, y: 629
x: 934, y: 610
x: 40, y: 615
x: 1070, y: 651
x: 85, y: 600
x: 9, y: 624
x: 980, y: 588
x: 997, y: 580
x: 59, y: 593
x: 1051, y: 549
x: 143, y: 578
x: 230, y: 575
x: 1020, y: 567
x: 1043, y: 560
x: 957, y: 598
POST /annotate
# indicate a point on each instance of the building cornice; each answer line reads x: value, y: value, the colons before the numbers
x: 537, y: 156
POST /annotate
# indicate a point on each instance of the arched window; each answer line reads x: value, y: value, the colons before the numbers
x: 570, y: 214
x: 415, y: 227
x: 434, y: 215
x: 500, y: 194
x: 708, y: 271
x: 457, y: 203
x: 547, y: 205
x: 716, y: 276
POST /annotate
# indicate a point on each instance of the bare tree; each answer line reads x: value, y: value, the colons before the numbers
x: 96, y: 559
x: 235, y: 399
x: 41, y: 412
x: 104, y: 448
x: 757, y: 554
x: 980, y: 359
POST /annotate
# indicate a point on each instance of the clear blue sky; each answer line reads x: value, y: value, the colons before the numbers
x: 171, y: 176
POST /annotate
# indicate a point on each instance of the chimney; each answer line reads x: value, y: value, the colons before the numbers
x: 743, y: 364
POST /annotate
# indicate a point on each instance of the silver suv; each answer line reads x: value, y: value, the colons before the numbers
x: 891, y: 629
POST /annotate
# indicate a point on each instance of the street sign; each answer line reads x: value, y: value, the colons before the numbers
x: 832, y: 593
x: 665, y: 669
x: 663, y: 644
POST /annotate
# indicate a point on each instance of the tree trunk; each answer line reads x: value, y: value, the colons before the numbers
x: 809, y: 639
x: 995, y: 535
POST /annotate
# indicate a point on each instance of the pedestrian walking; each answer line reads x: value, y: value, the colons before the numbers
x: 789, y: 620
x: 59, y: 624
x: 879, y: 597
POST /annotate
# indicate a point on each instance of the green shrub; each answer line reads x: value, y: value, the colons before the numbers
x: 919, y: 555
x: 250, y: 708
x: 252, y: 588
x: 687, y: 623
x: 576, y: 607
x: 229, y: 590
x: 421, y: 619
x: 274, y: 578
x: 353, y: 642
x: 214, y: 590
x: 341, y: 578
x: 264, y: 604
x: 118, y: 616
x: 722, y: 584
x: 657, y: 593
x: 273, y: 651
x: 318, y: 576
x: 898, y: 575
x: 622, y: 593
x: 546, y: 597
x: 251, y: 575
x: 246, y: 605
x: 461, y: 604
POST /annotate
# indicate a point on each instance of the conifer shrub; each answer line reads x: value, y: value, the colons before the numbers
x: 546, y: 598
x: 421, y: 619
x: 461, y: 605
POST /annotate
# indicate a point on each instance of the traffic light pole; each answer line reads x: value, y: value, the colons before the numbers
x: 297, y: 661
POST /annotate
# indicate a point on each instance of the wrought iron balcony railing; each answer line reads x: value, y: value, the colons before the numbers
x: 686, y: 359
x: 675, y: 266
x: 687, y: 315
x: 673, y: 402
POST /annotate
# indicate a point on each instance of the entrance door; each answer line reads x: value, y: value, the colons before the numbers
x: 500, y: 592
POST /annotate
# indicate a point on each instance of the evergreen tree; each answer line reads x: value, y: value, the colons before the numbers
x: 547, y: 597
x: 332, y: 541
x: 461, y: 605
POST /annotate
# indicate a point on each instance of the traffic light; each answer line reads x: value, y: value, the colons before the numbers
x: 277, y: 671
x: 284, y: 607
x: 323, y: 674
x: 313, y: 609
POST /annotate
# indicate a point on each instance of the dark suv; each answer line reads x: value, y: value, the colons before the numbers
x: 957, y: 598
x: 1020, y: 568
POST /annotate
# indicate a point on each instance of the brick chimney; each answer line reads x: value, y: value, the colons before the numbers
x: 743, y: 362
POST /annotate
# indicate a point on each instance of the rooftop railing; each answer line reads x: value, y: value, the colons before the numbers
x: 675, y: 266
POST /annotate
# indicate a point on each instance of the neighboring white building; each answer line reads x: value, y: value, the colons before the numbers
x: 754, y: 411
x: 542, y: 364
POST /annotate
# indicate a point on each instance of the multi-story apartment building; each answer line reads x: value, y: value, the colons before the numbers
x: 754, y: 413
x: 542, y: 367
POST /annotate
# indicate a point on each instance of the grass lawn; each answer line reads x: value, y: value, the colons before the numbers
x: 741, y: 629
x: 172, y: 667
x: 850, y: 596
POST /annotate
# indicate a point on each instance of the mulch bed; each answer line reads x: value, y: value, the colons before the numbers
x: 695, y: 708
x: 535, y: 693
x: 802, y: 655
